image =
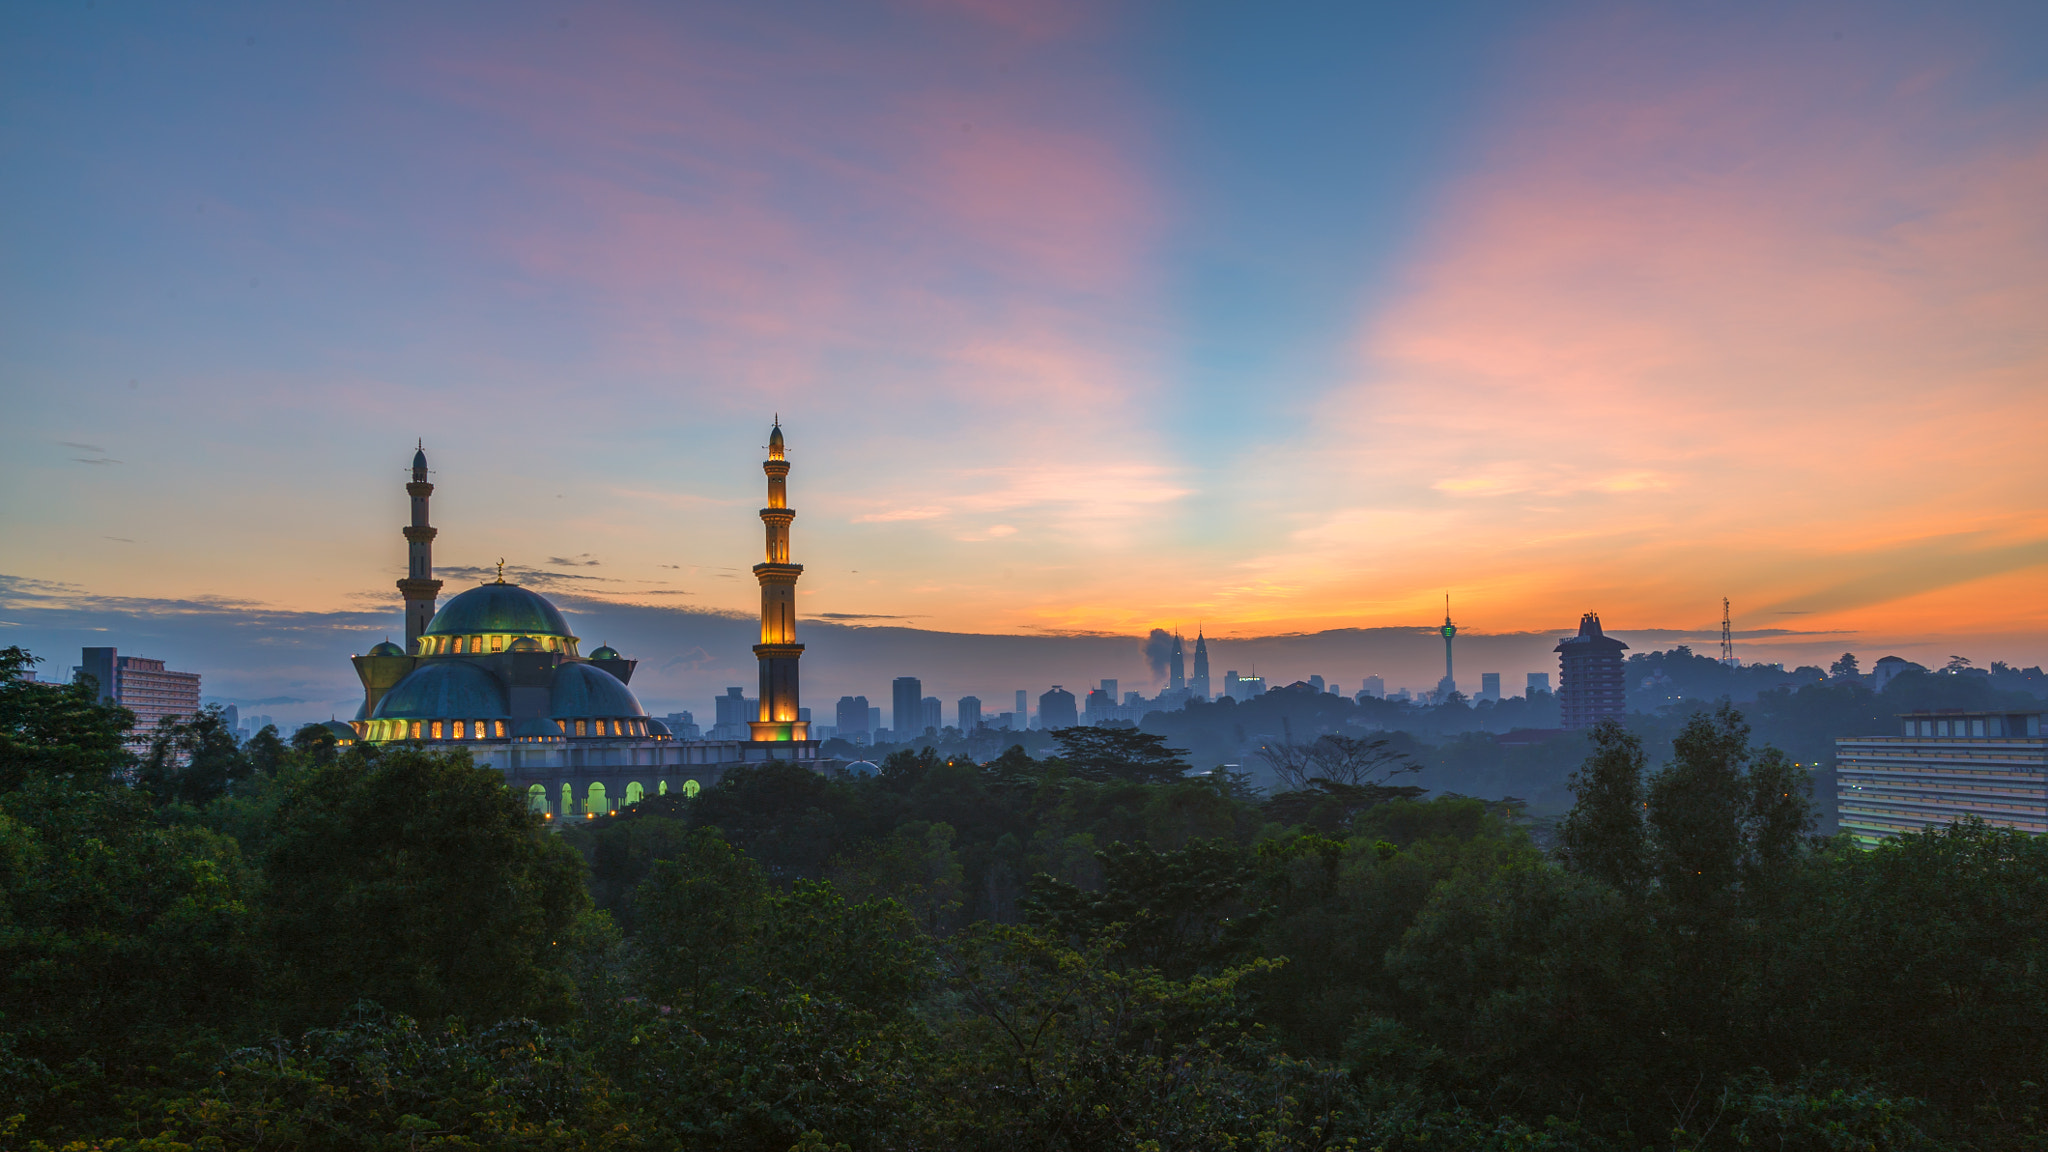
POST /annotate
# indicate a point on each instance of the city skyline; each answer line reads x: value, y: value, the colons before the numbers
x: 1106, y: 304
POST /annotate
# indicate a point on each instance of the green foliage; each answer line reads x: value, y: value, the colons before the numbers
x: 417, y: 880
x: 1603, y: 836
x: 1120, y: 754
x: 1180, y: 912
x: 194, y: 761
x: 51, y: 730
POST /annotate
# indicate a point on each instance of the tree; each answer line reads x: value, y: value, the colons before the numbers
x: 1120, y: 754
x: 1603, y: 835
x: 56, y: 729
x: 1181, y: 912
x: 417, y: 880
x: 1846, y: 667
x: 193, y: 761
x: 315, y: 742
x: 1347, y: 761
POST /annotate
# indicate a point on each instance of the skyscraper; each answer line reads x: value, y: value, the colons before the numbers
x: 970, y: 713
x: 1056, y: 709
x: 1539, y: 682
x: 1023, y: 711
x: 734, y: 712
x: 1590, y: 687
x: 853, y: 717
x: 929, y: 715
x: 1099, y: 705
x: 778, y: 650
x: 1198, y: 686
x: 1374, y: 686
x: 906, y: 708
x: 142, y: 686
x: 1177, y: 678
x: 1489, y: 686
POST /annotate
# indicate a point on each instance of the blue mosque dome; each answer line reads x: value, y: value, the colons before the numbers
x: 386, y: 648
x: 446, y: 689
x: 499, y: 608
x: 606, y: 652
x: 584, y: 691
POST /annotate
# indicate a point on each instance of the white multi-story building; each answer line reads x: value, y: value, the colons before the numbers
x: 1941, y: 767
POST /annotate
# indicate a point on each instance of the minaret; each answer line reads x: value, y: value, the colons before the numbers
x: 1449, y: 630
x: 419, y: 586
x: 1199, y: 685
x: 1177, y: 677
x: 778, y: 650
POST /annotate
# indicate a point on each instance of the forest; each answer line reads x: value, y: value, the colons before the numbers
x: 1079, y: 944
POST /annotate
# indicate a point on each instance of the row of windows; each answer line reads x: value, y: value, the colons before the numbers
x: 491, y: 729
x: 490, y: 642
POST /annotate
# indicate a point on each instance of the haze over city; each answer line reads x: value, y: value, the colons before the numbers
x: 1085, y: 321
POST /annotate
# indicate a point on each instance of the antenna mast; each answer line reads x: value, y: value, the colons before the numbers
x: 1727, y: 637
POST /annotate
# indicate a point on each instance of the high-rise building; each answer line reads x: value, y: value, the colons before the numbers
x: 1249, y: 687
x: 734, y: 712
x: 1449, y: 632
x: 1023, y: 711
x: 1109, y: 689
x: 906, y: 711
x: 1056, y: 709
x: 970, y: 713
x: 1943, y: 767
x: 1374, y: 687
x: 683, y: 726
x: 142, y: 686
x: 929, y: 716
x: 1489, y: 686
x: 1590, y: 684
x: 778, y: 650
x: 1539, y: 682
x: 1316, y: 682
x: 1100, y: 705
x: 233, y: 716
x: 874, y: 719
x: 1198, y: 685
x: 1177, y: 677
x: 852, y: 717
x: 1230, y: 683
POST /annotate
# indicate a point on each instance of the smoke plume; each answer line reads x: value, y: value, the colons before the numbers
x: 1158, y: 649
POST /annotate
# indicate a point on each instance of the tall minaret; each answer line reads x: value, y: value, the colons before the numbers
x: 1199, y: 685
x: 778, y: 650
x: 419, y: 586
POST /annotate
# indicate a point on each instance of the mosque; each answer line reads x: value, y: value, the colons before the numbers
x: 497, y: 672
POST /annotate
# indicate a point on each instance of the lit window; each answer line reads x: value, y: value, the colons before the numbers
x: 437, y: 729
x: 415, y: 729
x: 579, y: 728
x: 497, y: 643
x: 499, y: 725
x: 461, y: 729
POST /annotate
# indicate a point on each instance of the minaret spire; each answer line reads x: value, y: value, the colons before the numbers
x: 419, y: 587
x: 778, y: 650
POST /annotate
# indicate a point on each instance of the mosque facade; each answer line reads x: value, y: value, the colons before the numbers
x: 498, y: 672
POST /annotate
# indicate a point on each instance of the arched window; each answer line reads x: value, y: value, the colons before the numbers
x: 461, y: 729
x: 437, y: 730
x: 537, y: 798
x: 595, y: 803
x: 661, y: 788
x: 635, y: 793
x: 691, y: 788
x: 568, y: 799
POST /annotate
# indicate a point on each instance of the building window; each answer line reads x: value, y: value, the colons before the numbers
x: 415, y: 729
x: 437, y: 730
x: 579, y: 728
x: 461, y: 730
x: 497, y: 643
x: 499, y: 725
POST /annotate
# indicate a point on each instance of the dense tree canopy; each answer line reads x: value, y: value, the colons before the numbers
x: 262, y: 945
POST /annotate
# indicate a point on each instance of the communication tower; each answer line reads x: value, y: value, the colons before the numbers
x: 1727, y: 638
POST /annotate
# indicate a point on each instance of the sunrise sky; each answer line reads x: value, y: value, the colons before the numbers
x: 1088, y: 317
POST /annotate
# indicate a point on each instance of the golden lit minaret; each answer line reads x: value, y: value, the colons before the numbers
x: 778, y: 650
x: 419, y: 586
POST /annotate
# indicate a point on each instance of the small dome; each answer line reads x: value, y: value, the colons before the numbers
x: 584, y: 690
x: 445, y: 690
x: 343, y: 734
x: 863, y: 768
x: 606, y: 652
x: 659, y: 731
x: 524, y: 644
x: 499, y: 608
x: 386, y: 648
x: 419, y: 459
x: 538, y: 727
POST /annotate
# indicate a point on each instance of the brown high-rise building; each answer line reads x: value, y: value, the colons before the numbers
x: 142, y: 686
x: 1592, y: 686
